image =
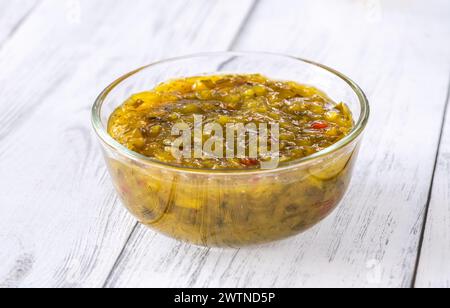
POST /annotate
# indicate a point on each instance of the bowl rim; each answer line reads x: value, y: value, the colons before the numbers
x: 107, y: 140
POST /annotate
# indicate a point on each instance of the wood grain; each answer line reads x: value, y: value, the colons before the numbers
x: 60, y: 222
x: 12, y: 15
x: 398, y: 51
x: 434, y: 265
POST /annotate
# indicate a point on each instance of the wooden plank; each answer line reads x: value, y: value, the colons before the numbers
x: 60, y: 222
x: 12, y: 15
x: 434, y: 266
x: 398, y: 52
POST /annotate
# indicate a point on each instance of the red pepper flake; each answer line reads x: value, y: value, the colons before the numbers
x: 255, y: 180
x: 126, y: 191
x: 319, y: 125
x: 249, y: 162
x: 141, y: 183
x: 326, y: 207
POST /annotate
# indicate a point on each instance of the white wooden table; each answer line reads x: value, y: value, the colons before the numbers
x: 61, y: 224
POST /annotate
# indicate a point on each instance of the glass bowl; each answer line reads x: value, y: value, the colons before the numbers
x: 232, y: 208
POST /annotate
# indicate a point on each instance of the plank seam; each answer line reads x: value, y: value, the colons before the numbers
x: 19, y: 24
x: 430, y: 192
x: 120, y: 256
x: 243, y: 25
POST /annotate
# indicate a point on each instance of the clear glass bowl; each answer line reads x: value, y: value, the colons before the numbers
x: 232, y: 208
